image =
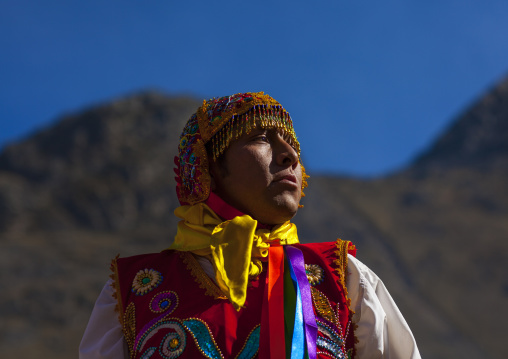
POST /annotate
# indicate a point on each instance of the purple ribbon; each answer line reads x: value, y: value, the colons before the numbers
x: 295, y: 257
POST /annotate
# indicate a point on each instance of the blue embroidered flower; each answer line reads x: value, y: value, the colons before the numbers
x: 145, y: 281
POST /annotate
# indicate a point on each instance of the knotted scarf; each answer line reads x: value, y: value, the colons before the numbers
x: 235, y: 247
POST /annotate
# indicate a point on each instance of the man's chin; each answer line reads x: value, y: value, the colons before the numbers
x: 281, y: 212
x: 288, y: 204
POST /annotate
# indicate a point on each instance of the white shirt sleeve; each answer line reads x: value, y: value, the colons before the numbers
x: 381, y: 329
x: 103, y: 338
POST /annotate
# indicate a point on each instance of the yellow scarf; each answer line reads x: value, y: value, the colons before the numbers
x: 235, y: 247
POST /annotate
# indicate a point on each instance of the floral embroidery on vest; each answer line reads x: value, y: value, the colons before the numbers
x: 145, y: 281
x: 164, y: 302
x: 315, y: 274
x: 158, y: 323
x: 332, y: 341
x: 172, y: 344
x: 323, y: 306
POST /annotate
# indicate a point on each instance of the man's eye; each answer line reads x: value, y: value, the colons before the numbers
x: 262, y: 138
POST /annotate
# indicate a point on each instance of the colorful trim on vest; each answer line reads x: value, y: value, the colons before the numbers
x: 175, y: 318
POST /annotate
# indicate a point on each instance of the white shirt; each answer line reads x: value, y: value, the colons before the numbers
x: 381, y: 330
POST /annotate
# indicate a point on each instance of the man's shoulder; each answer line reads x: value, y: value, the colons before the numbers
x: 333, y: 255
x: 344, y: 247
x: 139, y: 260
x: 145, y: 271
x: 143, y: 256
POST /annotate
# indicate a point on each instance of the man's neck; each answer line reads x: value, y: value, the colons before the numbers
x: 225, y: 210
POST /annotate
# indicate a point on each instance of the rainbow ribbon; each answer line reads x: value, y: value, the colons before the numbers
x: 288, y: 324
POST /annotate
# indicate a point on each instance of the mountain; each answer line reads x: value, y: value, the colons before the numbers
x: 100, y: 182
x: 478, y: 139
x: 108, y: 168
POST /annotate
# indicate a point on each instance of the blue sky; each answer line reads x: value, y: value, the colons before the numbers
x: 369, y: 84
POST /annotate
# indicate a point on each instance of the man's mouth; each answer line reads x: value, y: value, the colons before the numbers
x: 290, y: 179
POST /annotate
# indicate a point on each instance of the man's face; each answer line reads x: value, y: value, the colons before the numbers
x: 260, y: 176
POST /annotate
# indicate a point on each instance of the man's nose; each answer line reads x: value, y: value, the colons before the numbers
x: 285, y: 153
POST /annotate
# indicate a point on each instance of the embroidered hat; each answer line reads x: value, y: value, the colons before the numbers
x: 215, y: 124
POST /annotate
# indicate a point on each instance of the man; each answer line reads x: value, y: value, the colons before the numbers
x: 236, y: 282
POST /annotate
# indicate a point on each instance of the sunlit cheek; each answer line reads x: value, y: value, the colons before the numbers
x: 298, y: 174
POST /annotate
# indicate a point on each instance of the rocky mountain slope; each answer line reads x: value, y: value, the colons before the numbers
x: 100, y: 182
x: 478, y: 140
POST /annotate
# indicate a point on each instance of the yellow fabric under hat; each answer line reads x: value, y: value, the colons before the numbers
x: 235, y: 247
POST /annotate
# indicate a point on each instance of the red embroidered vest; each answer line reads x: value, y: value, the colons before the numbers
x: 170, y: 308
